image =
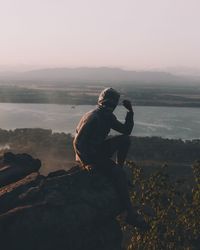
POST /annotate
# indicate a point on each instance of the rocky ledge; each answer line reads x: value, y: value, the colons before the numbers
x: 64, y: 211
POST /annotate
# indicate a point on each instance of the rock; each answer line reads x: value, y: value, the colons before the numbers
x: 73, y: 210
x: 17, y: 166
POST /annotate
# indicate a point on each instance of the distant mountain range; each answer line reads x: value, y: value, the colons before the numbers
x: 95, y: 75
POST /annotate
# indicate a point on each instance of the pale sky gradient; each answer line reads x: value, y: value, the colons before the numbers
x: 132, y: 34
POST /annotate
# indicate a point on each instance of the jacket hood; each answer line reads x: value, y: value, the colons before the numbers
x: 109, y: 97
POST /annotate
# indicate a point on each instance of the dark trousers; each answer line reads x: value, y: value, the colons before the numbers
x: 113, y: 170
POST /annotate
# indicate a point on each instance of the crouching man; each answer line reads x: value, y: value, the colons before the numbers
x: 92, y: 147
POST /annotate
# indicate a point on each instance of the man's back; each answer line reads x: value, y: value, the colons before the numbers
x: 91, y: 131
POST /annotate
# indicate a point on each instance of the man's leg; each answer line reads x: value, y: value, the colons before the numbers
x: 121, y: 184
x: 119, y: 144
x: 117, y: 175
x: 113, y: 171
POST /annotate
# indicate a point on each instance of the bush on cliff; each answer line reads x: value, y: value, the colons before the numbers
x: 171, y: 208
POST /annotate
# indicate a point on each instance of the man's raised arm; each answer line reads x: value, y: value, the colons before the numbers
x: 127, y: 127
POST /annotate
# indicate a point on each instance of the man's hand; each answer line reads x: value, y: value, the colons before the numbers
x: 127, y: 104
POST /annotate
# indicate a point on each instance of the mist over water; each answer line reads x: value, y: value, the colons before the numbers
x: 167, y: 122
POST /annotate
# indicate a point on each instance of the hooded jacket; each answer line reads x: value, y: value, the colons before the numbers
x: 95, y: 126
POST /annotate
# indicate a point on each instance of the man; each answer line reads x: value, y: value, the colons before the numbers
x: 92, y: 147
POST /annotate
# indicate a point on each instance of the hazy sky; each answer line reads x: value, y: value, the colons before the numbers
x: 132, y: 34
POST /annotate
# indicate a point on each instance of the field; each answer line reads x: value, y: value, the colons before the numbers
x: 141, y: 95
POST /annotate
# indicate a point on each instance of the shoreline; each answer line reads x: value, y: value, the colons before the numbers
x: 93, y: 104
x: 54, y: 132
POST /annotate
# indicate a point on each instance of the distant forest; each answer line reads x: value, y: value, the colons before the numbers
x: 56, y: 151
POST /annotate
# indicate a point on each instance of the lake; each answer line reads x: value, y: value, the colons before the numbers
x: 167, y: 122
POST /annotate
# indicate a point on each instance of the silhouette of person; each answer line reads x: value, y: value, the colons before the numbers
x: 92, y: 147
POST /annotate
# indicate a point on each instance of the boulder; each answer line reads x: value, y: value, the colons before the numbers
x: 16, y: 167
x: 73, y: 210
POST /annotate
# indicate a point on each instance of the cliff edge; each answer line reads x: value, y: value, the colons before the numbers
x: 66, y: 210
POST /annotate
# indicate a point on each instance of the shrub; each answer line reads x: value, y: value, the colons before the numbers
x: 172, y: 210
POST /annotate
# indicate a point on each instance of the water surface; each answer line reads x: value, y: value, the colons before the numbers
x: 167, y: 122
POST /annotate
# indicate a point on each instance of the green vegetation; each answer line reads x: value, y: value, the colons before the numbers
x: 34, y: 95
x: 159, y: 149
x: 144, y: 95
x: 163, y: 95
x: 55, y: 150
x: 172, y: 210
